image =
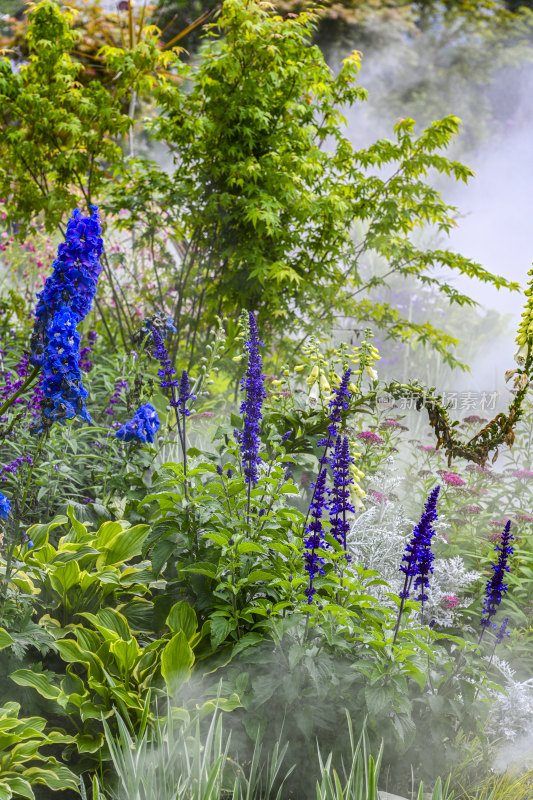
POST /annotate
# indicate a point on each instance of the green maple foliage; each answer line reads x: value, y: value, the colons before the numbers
x: 268, y: 205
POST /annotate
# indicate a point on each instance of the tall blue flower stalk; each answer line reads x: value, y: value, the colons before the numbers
x: 417, y: 557
x: 339, y: 503
x: 314, y: 535
x: 74, y: 279
x: 66, y: 299
x: 63, y: 392
x: 251, y: 408
x: 338, y: 403
x: 496, y: 587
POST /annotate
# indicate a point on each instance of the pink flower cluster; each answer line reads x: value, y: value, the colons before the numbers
x: 450, y: 601
x: 523, y: 473
x: 370, y: 437
x: 392, y: 423
x: 453, y: 480
x: 377, y: 496
x: 470, y: 510
x: 427, y: 448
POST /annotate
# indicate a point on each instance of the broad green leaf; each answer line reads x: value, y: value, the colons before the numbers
x: 25, y: 677
x: 5, y: 639
x: 177, y: 659
x: 182, y: 618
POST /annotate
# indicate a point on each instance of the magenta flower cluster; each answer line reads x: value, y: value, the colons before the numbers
x: 370, y: 437
x: 452, y: 479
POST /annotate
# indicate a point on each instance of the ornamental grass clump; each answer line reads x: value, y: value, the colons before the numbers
x: 496, y: 588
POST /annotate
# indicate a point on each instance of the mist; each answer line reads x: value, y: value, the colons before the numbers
x: 493, y: 226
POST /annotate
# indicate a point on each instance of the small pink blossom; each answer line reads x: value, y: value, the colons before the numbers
x: 377, y: 496
x: 370, y: 436
x: 470, y: 510
x: 523, y: 473
x: 453, y: 480
x: 392, y: 423
x: 205, y: 415
x: 426, y: 448
x: 525, y: 517
x: 450, y: 601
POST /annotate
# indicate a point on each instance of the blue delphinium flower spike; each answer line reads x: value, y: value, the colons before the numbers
x: 314, y: 535
x: 496, y: 588
x: 74, y: 278
x: 142, y: 428
x: 5, y: 507
x: 252, y: 384
x: 62, y: 387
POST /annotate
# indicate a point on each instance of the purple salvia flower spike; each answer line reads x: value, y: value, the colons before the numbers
x: 253, y: 385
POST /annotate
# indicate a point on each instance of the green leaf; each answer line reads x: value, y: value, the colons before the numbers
x: 125, y: 545
x: 220, y: 629
x: 177, y: 659
x: 5, y: 639
x: 182, y: 618
x: 25, y: 677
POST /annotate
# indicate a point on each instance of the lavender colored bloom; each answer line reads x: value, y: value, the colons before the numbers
x: 496, y: 588
x: 502, y: 631
x: 252, y: 384
x: 85, y: 364
x: 13, y: 467
x: 185, y: 394
x: 12, y: 383
x: 314, y: 535
x: 5, y: 507
x: 286, y: 435
x: 62, y: 386
x: 339, y: 504
x: 115, y: 397
x: 74, y: 279
x: 143, y: 426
